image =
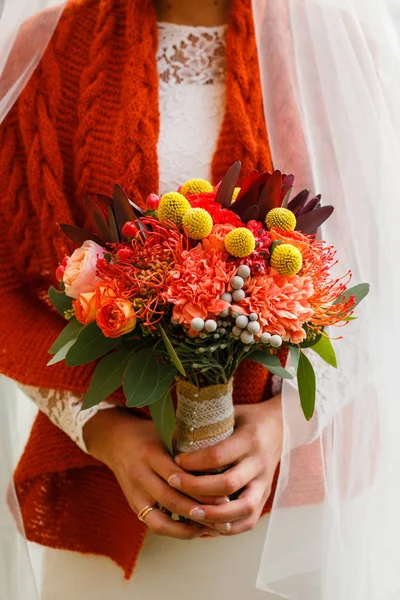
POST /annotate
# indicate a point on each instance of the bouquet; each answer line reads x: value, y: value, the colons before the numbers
x: 176, y: 296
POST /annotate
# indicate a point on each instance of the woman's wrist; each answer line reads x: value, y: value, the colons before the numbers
x: 101, y: 431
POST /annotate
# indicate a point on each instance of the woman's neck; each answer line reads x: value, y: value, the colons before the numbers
x: 208, y: 13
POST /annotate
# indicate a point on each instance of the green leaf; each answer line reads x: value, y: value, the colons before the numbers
x: 326, y: 351
x: 295, y: 354
x: 141, y: 378
x: 163, y: 415
x: 70, y: 332
x: 274, y: 245
x: 167, y: 376
x: 307, y: 385
x: 270, y: 362
x: 62, y: 353
x: 59, y: 300
x: 107, y: 378
x: 358, y: 291
x: 90, y: 345
x: 171, y: 351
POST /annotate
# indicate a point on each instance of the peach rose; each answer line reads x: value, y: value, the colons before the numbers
x: 86, y: 307
x: 80, y: 271
x: 115, y: 318
x: 217, y: 235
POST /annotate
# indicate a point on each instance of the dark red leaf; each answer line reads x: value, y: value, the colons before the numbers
x: 113, y: 225
x: 251, y: 214
x: 271, y: 195
x: 123, y: 211
x: 97, y: 218
x: 309, y: 206
x: 228, y: 184
x: 251, y: 196
x: 78, y: 235
x: 104, y: 202
x: 139, y: 212
x: 287, y: 183
x: 309, y: 223
x: 250, y: 179
x: 297, y: 203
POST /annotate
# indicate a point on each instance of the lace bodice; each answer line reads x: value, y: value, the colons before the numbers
x: 191, y: 66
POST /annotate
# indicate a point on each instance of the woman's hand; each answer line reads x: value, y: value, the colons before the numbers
x: 254, y: 451
x: 131, y: 448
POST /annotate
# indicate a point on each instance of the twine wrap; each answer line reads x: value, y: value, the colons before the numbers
x: 205, y: 416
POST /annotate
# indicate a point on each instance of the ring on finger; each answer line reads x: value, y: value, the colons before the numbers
x: 145, y: 511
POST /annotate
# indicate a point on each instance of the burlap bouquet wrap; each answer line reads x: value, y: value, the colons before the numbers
x: 205, y: 415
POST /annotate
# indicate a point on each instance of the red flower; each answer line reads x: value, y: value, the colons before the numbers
x: 220, y: 216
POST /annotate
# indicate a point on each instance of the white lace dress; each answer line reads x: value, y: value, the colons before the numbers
x: 191, y: 64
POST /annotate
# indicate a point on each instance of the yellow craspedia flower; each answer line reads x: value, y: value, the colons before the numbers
x: 173, y: 206
x: 235, y: 193
x: 281, y: 218
x: 196, y: 186
x: 286, y: 259
x: 240, y: 242
x: 197, y: 223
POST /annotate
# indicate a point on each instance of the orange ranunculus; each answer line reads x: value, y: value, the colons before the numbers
x: 86, y: 307
x: 116, y: 317
x: 217, y: 235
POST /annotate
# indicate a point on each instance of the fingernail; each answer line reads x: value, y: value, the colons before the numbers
x: 177, y: 460
x: 223, y: 500
x: 197, y: 514
x: 213, y: 533
x: 223, y: 527
x: 175, y: 481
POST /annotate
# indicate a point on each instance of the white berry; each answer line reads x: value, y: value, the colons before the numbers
x: 226, y: 296
x: 236, y: 331
x: 197, y: 324
x: 253, y: 317
x: 266, y: 337
x: 242, y: 321
x: 237, y: 283
x: 276, y: 341
x: 238, y: 295
x: 243, y: 271
x: 210, y: 325
x: 224, y: 313
x: 247, y: 337
x: 253, y: 327
x: 234, y: 314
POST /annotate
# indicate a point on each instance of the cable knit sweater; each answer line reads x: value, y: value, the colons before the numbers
x: 88, y: 118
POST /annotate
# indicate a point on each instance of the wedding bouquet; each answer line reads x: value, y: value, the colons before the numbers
x: 178, y: 295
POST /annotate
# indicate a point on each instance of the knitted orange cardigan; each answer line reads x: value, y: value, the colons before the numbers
x: 88, y: 118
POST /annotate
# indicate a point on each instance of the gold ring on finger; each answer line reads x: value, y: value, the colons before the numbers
x: 146, y: 510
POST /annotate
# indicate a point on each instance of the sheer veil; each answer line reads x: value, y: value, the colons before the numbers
x: 336, y: 64
x: 331, y: 84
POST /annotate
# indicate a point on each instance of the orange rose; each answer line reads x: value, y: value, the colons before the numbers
x: 86, y: 307
x: 104, y: 293
x: 217, y: 235
x: 115, y: 318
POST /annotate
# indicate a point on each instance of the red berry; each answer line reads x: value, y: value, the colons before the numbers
x: 124, y: 253
x: 129, y: 229
x: 152, y: 202
x: 64, y: 261
x: 60, y: 273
